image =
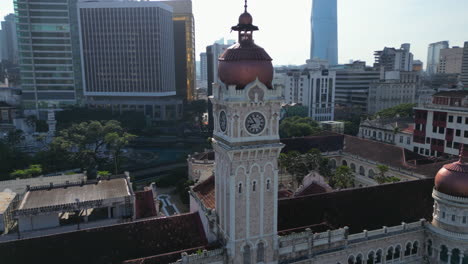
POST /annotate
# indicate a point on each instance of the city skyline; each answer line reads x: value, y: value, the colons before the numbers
x: 363, y: 26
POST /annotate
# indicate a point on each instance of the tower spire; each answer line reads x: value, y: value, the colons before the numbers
x: 245, y: 6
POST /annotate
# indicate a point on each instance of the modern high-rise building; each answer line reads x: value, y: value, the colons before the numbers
x: 184, y: 47
x: 352, y: 84
x: 433, y: 56
x: 324, y: 27
x: 128, y: 57
x: 8, y: 40
x: 450, y: 60
x: 49, y: 54
x: 464, y: 74
x: 203, y: 68
x: 392, y: 59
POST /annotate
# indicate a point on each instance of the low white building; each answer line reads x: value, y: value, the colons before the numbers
x: 397, y: 131
x: 7, y: 203
x: 52, y: 206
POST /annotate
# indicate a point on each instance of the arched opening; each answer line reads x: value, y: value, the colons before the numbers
x: 344, y: 163
x: 362, y: 171
x: 247, y: 254
x: 455, y: 259
x: 397, y: 252
x: 371, y: 173
x: 378, y: 257
x: 380, y: 135
x: 429, y: 247
x: 370, y: 257
x: 415, y: 249
x: 408, y: 249
x: 260, y: 252
x: 351, y: 259
x: 444, y: 253
x: 353, y: 167
x: 359, y: 259
x: 240, y: 188
x: 389, y: 253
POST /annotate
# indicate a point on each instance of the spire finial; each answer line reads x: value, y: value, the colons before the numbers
x: 245, y: 6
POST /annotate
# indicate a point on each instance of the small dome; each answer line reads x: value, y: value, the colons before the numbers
x: 452, y: 179
x: 245, y: 19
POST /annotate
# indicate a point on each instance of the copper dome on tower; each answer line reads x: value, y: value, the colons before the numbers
x: 244, y: 62
x: 452, y: 179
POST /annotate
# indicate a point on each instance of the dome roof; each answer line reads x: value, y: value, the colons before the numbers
x: 244, y: 62
x: 452, y: 179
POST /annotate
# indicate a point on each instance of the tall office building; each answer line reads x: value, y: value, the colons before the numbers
x: 128, y: 57
x: 433, y: 56
x: 392, y: 59
x: 450, y: 60
x: 352, y: 84
x: 464, y: 74
x: 203, y: 68
x: 9, y: 42
x: 184, y: 47
x: 324, y: 27
x: 49, y: 54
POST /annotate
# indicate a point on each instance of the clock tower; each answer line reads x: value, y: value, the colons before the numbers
x: 246, y: 143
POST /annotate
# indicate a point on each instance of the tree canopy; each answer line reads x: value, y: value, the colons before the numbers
x: 402, y: 110
x: 86, y: 144
x: 342, y: 178
x: 298, y: 127
x: 296, y: 110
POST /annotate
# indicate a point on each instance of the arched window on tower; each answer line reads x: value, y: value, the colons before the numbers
x: 260, y: 252
x: 240, y: 188
x: 247, y: 254
x: 268, y: 184
x: 254, y: 186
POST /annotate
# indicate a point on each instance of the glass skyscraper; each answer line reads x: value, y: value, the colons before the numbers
x: 324, y: 37
x: 49, y: 54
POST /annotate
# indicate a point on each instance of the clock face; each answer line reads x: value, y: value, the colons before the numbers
x: 222, y: 121
x: 255, y: 123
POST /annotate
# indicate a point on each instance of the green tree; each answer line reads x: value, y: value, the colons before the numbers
x: 298, y: 127
x: 382, y: 178
x: 342, y: 178
x: 31, y: 171
x: 195, y: 110
x: 14, y: 138
x: 402, y: 110
x: 85, y: 143
x: 115, y: 143
x: 296, y: 110
x: 104, y: 174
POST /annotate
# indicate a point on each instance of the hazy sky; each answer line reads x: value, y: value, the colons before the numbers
x: 363, y: 25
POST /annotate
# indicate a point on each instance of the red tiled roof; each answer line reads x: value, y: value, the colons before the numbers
x: 285, y: 194
x: 205, y: 192
x: 313, y: 188
x: 144, y: 204
x: 111, y: 244
x: 361, y: 208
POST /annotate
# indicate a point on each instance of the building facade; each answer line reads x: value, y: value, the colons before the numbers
x: 392, y: 59
x: 184, y: 47
x: 352, y: 84
x: 8, y: 40
x: 397, y: 88
x: 441, y: 125
x: 464, y: 74
x: 324, y: 35
x: 433, y: 56
x: 312, y: 87
x: 204, y: 69
x: 49, y: 53
x: 138, y: 74
x: 450, y: 60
